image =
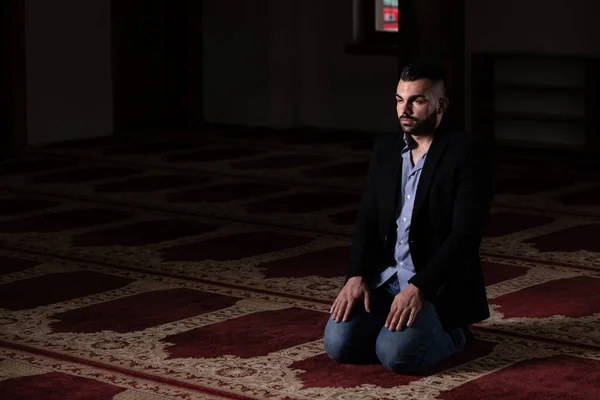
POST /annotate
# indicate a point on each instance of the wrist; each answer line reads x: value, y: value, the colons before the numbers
x: 356, y: 279
x: 415, y: 289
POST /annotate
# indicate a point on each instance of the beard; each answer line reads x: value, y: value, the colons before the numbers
x: 426, y: 126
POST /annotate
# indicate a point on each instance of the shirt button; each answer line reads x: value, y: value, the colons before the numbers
x: 408, y: 196
x: 404, y: 219
x: 401, y: 263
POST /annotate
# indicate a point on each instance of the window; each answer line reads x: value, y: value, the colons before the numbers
x: 386, y: 15
x: 375, y: 27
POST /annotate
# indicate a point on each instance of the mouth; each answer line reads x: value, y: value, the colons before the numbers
x: 407, y: 120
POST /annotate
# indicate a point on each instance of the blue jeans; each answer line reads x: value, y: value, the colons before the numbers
x: 364, y: 339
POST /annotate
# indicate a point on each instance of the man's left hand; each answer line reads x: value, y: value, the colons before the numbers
x: 405, y: 306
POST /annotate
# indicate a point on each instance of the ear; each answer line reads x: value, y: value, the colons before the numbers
x: 443, y: 104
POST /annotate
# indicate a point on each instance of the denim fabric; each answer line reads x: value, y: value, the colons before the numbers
x: 364, y: 339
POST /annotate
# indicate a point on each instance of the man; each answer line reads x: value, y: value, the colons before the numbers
x: 415, y: 281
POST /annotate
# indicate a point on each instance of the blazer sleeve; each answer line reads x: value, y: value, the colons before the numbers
x: 366, y: 229
x: 470, y: 212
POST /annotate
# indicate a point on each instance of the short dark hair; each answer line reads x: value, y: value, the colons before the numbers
x: 422, y: 70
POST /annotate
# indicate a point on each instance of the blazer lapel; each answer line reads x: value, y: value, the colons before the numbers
x: 437, y: 148
x: 395, y: 175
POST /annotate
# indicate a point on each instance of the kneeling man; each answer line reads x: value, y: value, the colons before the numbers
x: 415, y: 280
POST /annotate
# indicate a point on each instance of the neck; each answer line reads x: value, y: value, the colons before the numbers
x: 422, y: 141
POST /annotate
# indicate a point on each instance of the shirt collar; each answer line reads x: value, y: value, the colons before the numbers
x: 409, y: 143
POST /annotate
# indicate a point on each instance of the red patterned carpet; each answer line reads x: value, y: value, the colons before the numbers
x: 204, y: 269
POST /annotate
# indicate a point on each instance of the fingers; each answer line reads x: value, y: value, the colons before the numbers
x: 367, y: 302
x: 389, y: 322
x: 411, y: 319
x: 397, y: 317
x: 393, y: 320
x: 340, y: 310
x: 334, y: 305
x: 345, y: 301
x: 349, y: 306
x: 402, y: 320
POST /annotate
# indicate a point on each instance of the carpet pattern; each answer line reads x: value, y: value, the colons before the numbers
x: 204, y: 268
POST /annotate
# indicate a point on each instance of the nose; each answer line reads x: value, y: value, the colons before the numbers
x: 404, y: 108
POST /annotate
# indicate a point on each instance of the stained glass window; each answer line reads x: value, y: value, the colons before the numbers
x: 386, y: 15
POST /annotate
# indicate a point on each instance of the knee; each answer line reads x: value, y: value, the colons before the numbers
x: 335, y: 345
x: 336, y: 350
x: 403, y: 357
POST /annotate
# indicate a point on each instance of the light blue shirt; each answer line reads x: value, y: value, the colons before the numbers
x: 404, y: 267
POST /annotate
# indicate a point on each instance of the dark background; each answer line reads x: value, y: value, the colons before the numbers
x: 75, y: 70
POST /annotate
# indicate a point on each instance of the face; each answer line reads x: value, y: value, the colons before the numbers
x: 420, y: 106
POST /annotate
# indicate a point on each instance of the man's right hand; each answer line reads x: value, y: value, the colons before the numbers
x: 354, y: 290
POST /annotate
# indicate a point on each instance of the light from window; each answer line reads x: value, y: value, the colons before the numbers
x: 386, y: 15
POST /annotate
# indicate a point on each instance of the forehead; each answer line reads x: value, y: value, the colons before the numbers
x: 420, y: 86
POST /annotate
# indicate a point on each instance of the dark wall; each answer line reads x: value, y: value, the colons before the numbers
x: 156, y: 64
x: 434, y: 30
x: 534, y: 45
x: 286, y: 64
x: 12, y: 75
x: 277, y: 63
x: 282, y: 63
x: 67, y: 49
x: 539, y: 26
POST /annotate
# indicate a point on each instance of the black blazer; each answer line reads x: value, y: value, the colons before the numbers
x: 452, y: 205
